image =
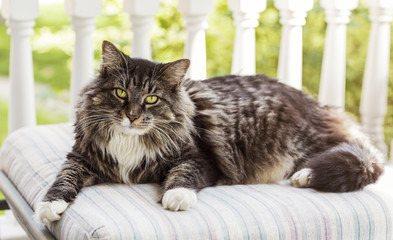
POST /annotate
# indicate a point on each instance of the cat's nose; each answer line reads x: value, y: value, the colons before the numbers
x: 132, y: 117
x: 134, y: 113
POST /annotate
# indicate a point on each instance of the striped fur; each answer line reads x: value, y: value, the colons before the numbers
x: 224, y: 130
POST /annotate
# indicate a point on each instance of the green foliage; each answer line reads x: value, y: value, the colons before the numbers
x: 4, y: 50
x: 44, y: 116
x: 219, y: 41
x: 3, y: 121
x: 50, y: 68
x: 268, y: 37
x: 48, y: 117
x: 313, y: 44
x: 168, y: 34
x: 52, y: 47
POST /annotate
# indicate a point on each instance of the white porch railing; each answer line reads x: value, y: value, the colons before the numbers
x: 373, y: 106
x: 83, y: 15
x: 20, y: 16
x: 293, y: 17
x: 332, y: 90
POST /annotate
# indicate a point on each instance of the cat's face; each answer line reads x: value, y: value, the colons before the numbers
x: 136, y: 96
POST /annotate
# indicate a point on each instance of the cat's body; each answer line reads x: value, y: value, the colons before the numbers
x: 140, y: 122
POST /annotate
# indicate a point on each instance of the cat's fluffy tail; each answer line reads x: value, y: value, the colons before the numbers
x: 346, y: 167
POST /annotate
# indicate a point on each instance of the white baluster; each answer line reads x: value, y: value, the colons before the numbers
x: 141, y: 16
x: 332, y: 87
x: 246, y: 14
x: 20, y: 26
x: 292, y: 17
x: 83, y: 15
x: 195, y: 15
x: 373, y: 105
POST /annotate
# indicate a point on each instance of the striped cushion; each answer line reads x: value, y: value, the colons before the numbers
x: 31, y: 158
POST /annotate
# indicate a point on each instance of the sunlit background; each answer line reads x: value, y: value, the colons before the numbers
x: 52, y: 45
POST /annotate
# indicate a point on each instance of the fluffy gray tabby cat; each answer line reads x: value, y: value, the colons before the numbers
x: 141, y: 122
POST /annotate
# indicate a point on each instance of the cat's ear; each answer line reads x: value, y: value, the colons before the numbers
x: 174, y: 72
x: 110, y: 53
x: 111, y: 57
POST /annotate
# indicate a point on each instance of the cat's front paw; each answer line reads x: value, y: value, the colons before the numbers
x: 48, y: 212
x: 179, y: 199
x: 301, y: 178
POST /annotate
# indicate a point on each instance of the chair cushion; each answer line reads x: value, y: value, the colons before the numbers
x: 31, y: 158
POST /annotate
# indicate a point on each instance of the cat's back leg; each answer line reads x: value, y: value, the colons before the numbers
x: 345, y: 167
x: 301, y: 178
x: 342, y: 158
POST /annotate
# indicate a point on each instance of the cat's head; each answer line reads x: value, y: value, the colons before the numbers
x: 134, y: 96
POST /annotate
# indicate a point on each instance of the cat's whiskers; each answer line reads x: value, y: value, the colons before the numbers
x: 96, y: 115
x: 107, y: 125
x: 162, y: 133
x: 164, y: 137
x: 101, y: 121
x: 95, y: 120
x: 168, y: 127
x: 90, y: 124
x: 183, y: 124
x: 92, y: 120
x: 98, y: 111
x: 183, y: 134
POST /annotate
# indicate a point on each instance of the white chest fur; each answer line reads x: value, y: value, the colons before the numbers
x: 128, y: 151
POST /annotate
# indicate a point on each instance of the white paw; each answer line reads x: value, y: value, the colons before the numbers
x: 301, y: 178
x: 179, y: 199
x: 47, y: 212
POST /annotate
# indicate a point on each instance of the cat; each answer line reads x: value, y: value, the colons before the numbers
x: 140, y: 121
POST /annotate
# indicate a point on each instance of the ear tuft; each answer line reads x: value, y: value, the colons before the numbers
x: 110, y: 54
x: 112, y: 58
x: 174, y: 72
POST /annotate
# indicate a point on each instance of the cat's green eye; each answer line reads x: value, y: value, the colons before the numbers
x: 121, y: 93
x: 151, y: 99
